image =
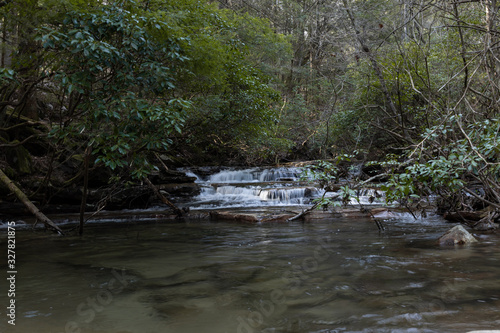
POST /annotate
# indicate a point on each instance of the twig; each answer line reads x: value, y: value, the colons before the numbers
x: 481, y: 198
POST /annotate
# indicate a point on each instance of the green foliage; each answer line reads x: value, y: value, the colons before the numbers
x: 117, y: 69
x: 262, y: 45
x: 6, y: 75
x: 440, y: 176
x: 233, y: 102
x: 446, y: 170
x: 328, y: 174
x: 120, y: 77
x: 324, y: 173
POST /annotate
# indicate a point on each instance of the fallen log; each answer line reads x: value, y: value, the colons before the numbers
x: 304, y: 212
x: 462, y: 216
x: 28, y: 204
x: 176, y: 209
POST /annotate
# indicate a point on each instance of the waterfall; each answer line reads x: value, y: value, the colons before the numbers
x: 281, y: 174
x: 258, y: 187
x: 233, y: 176
x: 255, y: 175
x: 290, y: 196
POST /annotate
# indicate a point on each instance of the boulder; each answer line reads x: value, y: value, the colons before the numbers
x: 457, y: 236
x: 383, y: 214
x: 237, y: 217
x: 180, y: 190
x: 170, y: 177
x: 250, y: 217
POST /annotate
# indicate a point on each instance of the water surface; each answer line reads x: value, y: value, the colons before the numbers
x: 339, y: 275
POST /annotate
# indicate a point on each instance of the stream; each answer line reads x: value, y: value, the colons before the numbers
x: 337, y: 275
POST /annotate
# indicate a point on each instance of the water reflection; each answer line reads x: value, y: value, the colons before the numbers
x: 333, y: 276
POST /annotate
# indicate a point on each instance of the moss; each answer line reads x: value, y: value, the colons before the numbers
x: 20, y: 158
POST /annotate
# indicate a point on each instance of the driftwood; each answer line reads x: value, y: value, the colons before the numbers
x: 176, y: 209
x: 29, y: 205
x: 304, y: 212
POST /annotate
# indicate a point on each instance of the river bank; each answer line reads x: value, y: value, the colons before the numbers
x: 244, y: 195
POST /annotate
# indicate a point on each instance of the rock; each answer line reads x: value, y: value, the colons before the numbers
x: 370, y: 170
x: 318, y: 215
x: 383, y: 213
x: 242, y: 217
x: 181, y: 190
x: 457, y: 236
x: 170, y: 177
x: 20, y: 158
x: 250, y: 217
x: 275, y: 218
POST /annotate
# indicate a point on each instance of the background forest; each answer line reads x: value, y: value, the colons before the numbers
x: 127, y: 85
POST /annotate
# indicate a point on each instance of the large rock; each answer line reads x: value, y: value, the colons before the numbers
x: 457, y: 236
x: 249, y: 217
x: 170, y: 177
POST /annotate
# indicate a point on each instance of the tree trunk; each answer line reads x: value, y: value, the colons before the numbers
x: 29, y: 205
x: 176, y: 209
x: 83, y: 203
x: 462, y: 46
x: 378, y: 71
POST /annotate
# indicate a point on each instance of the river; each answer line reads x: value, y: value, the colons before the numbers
x: 138, y: 272
x: 337, y: 275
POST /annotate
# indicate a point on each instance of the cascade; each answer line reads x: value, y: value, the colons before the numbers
x: 262, y: 187
x: 255, y: 175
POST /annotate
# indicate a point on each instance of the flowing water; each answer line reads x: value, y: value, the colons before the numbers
x: 263, y: 187
x: 147, y: 275
x: 338, y: 275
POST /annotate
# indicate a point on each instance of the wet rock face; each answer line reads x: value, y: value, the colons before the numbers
x: 171, y: 177
x: 457, y: 236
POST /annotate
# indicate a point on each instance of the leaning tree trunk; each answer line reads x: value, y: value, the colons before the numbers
x: 29, y: 205
x: 176, y: 209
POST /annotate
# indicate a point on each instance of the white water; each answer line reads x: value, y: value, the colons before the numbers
x: 255, y: 175
x: 258, y: 187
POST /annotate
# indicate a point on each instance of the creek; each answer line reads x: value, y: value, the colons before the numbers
x: 142, y: 275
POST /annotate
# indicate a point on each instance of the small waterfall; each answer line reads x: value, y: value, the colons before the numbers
x: 252, y: 187
x: 280, y: 195
x: 289, y: 196
x: 255, y: 175
x: 192, y: 174
x: 237, y: 191
x: 281, y: 174
x: 233, y: 176
x: 257, y: 187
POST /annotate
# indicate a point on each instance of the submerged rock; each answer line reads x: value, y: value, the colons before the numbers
x: 457, y: 236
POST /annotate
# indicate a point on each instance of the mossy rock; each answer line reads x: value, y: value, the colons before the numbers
x: 20, y: 158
